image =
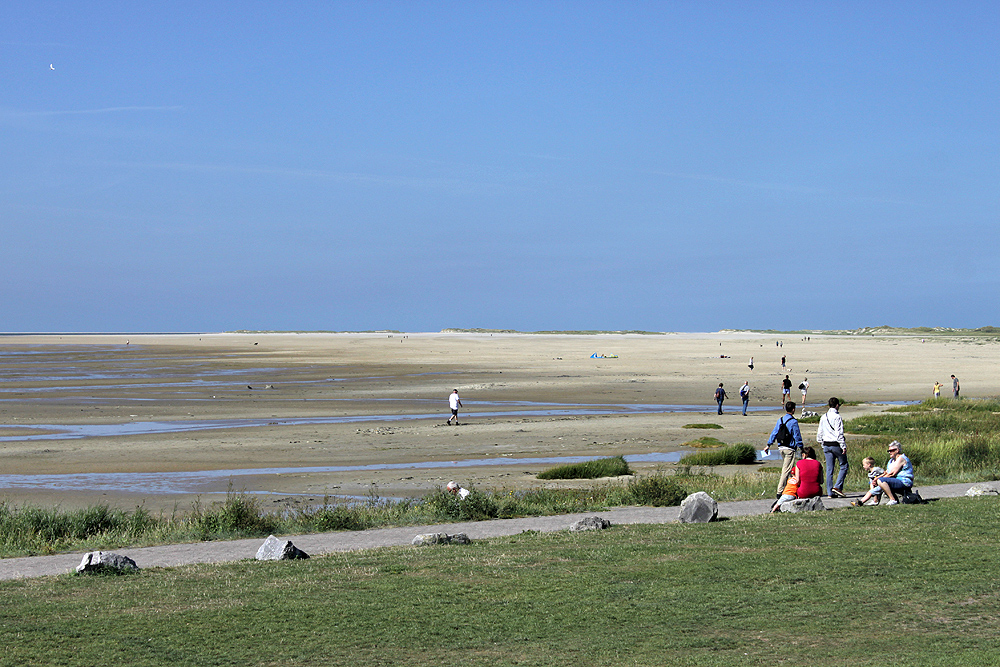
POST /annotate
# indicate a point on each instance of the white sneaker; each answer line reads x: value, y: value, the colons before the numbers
x: 892, y: 502
x: 872, y: 502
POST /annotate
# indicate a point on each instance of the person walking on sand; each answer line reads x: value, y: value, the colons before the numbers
x: 782, y: 362
x: 750, y: 365
x: 788, y: 437
x: 454, y: 402
x: 831, y: 435
x: 786, y: 390
x: 720, y: 396
x: 804, y: 387
x: 954, y: 385
x: 745, y: 396
x: 937, y: 389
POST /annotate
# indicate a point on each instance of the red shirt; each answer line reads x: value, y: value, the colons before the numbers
x: 810, y: 478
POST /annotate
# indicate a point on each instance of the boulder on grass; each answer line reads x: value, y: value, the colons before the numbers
x: 96, y: 561
x: 428, y: 539
x: 699, y: 508
x: 275, y: 549
x: 803, y: 505
x: 984, y: 489
x: 590, y: 523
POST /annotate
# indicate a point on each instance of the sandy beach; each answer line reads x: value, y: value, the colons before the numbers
x: 166, y: 420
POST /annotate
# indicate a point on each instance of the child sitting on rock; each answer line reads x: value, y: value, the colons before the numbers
x: 874, y: 492
x: 790, y: 491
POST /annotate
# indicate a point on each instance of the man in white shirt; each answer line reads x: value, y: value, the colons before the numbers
x: 454, y: 402
x: 831, y: 435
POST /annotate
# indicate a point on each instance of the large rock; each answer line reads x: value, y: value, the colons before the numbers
x: 984, y: 489
x: 95, y: 561
x: 590, y: 523
x: 803, y: 505
x: 275, y: 549
x: 699, y: 508
x: 428, y: 539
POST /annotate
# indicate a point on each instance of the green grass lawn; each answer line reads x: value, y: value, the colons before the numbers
x: 908, y: 585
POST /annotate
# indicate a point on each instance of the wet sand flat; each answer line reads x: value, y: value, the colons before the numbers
x: 195, y: 402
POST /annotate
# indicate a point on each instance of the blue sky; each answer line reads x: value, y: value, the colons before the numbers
x: 666, y: 166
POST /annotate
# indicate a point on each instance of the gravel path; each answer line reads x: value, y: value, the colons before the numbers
x: 321, y: 543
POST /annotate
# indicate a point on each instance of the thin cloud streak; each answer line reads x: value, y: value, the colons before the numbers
x: 94, y: 111
x: 344, y: 177
x: 780, y: 187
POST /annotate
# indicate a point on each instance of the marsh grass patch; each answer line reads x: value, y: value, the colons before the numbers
x: 612, y: 466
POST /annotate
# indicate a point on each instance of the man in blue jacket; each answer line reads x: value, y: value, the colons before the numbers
x: 788, y: 437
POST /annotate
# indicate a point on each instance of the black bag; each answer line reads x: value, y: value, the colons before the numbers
x: 784, y: 435
x: 802, y: 385
x: 910, y: 497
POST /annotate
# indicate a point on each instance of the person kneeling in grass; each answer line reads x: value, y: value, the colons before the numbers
x: 874, y: 491
x: 898, y: 473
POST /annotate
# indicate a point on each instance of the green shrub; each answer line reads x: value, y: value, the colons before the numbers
x: 707, y: 442
x: 613, y: 466
x: 656, y: 490
x: 446, y: 506
x: 701, y: 426
x: 739, y: 454
x: 240, y: 514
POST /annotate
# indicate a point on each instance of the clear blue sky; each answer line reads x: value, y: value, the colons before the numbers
x: 667, y: 166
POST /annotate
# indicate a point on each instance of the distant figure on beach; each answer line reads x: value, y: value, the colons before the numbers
x: 720, y: 396
x: 788, y: 437
x: 782, y: 362
x: 831, y: 435
x: 786, y: 390
x: 454, y: 402
x: 937, y: 389
x: 745, y: 396
x: 750, y: 365
x: 804, y: 388
x: 954, y: 385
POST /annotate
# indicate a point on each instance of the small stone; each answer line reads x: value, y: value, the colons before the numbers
x: 590, y: 523
x: 96, y: 561
x: 814, y: 504
x: 275, y: 549
x: 428, y: 539
x: 984, y: 489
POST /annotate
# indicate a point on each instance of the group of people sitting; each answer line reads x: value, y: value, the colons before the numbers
x: 895, y: 478
x: 804, y: 478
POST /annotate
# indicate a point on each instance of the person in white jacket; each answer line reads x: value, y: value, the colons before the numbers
x: 831, y: 435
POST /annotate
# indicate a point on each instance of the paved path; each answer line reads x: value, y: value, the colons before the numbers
x: 321, y: 543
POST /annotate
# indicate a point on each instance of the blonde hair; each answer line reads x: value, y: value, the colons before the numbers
x: 869, y: 460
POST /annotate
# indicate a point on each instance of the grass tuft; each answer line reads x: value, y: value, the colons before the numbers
x: 612, y: 466
x: 706, y: 442
x: 739, y: 454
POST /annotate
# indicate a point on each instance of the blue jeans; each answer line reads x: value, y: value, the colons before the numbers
x: 719, y: 400
x: 745, y: 404
x: 831, y: 454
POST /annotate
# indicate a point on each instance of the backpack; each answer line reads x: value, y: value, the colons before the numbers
x: 784, y: 435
